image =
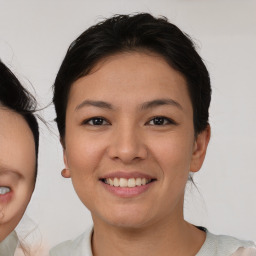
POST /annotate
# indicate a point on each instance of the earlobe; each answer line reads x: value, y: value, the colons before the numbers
x: 200, y: 148
x: 65, y: 173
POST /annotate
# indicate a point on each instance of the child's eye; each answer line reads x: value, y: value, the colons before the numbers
x: 160, y: 120
x: 96, y: 121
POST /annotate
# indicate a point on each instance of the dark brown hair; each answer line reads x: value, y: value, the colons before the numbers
x: 140, y: 32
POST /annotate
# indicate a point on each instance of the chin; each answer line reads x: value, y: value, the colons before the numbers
x: 129, y: 219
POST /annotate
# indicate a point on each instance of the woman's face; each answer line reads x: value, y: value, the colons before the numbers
x: 17, y: 169
x: 128, y: 123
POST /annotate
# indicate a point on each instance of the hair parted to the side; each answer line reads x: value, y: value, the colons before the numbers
x: 139, y: 32
x: 15, y: 97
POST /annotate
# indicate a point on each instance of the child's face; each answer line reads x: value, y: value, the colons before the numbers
x: 17, y: 169
x: 129, y: 122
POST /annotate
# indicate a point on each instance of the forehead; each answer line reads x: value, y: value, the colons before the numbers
x: 132, y: 76
x: 17, y: 149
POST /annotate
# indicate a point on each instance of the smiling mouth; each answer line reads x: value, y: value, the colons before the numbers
x: 127, y: 183
x: 4, y: 190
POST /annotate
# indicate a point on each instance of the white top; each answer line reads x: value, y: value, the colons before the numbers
x: 9, y: 244
x: 214, y: 245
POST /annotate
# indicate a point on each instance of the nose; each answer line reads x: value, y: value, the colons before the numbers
x: 127, y: 145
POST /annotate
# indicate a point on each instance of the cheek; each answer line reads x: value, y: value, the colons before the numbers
x: 23, y: 197
x: 173, y: 153
x: 83, y: 155
x: 82, y: 159
x: 173, y: 156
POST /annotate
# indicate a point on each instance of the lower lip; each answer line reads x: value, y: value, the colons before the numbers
x: 127, y: 192
x: 6, y: 198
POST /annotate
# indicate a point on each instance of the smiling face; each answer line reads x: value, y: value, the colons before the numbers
x: 129, y: 142
x: 17, y: 169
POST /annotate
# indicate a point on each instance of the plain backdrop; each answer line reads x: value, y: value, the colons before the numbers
x: 34, y: 37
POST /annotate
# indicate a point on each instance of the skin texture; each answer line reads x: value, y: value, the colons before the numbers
x: 17, y: 168
x: 128, y: 140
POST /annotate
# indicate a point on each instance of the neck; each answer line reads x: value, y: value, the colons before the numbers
x: 169, y: 235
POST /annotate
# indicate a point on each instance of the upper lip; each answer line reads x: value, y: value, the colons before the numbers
x: 127, y: 175
x: 6, y: 186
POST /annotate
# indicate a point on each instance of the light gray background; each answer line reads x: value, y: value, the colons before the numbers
x: 34, y: 36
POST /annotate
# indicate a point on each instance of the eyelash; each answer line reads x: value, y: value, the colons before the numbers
x: 87, y: 121
x: 166, y: 121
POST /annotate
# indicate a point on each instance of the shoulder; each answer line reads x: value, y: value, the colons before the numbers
x: 79, y: 246
x: 251, y: 251
x: 221, y: 245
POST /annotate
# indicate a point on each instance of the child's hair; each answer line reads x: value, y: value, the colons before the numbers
x: 16, y: 98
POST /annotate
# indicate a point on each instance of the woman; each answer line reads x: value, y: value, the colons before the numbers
x: 19, y: 139
x: 132, y: 98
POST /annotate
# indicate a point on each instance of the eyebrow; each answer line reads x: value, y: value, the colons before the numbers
x: 144, y: 106
x: 99, y: 104
x: 160, y: 102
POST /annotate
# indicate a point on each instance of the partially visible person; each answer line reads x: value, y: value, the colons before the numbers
x: 19, y: 139
x: 132, y: 98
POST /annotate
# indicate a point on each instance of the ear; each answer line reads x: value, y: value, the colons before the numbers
x: 199, y: 149
x: 65, y: 172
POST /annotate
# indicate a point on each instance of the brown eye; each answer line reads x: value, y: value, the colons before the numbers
x: 160, y: 120
x: 96, y: 121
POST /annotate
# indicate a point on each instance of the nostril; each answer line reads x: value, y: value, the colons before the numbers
x: 127, y: 154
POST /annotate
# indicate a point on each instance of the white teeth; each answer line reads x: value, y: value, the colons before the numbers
x: 131, y: 183
x: 116, y: 182
x: 124, y: 183
x: 138, y: 182
x: 4, y: 190
x: 111, y: 182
